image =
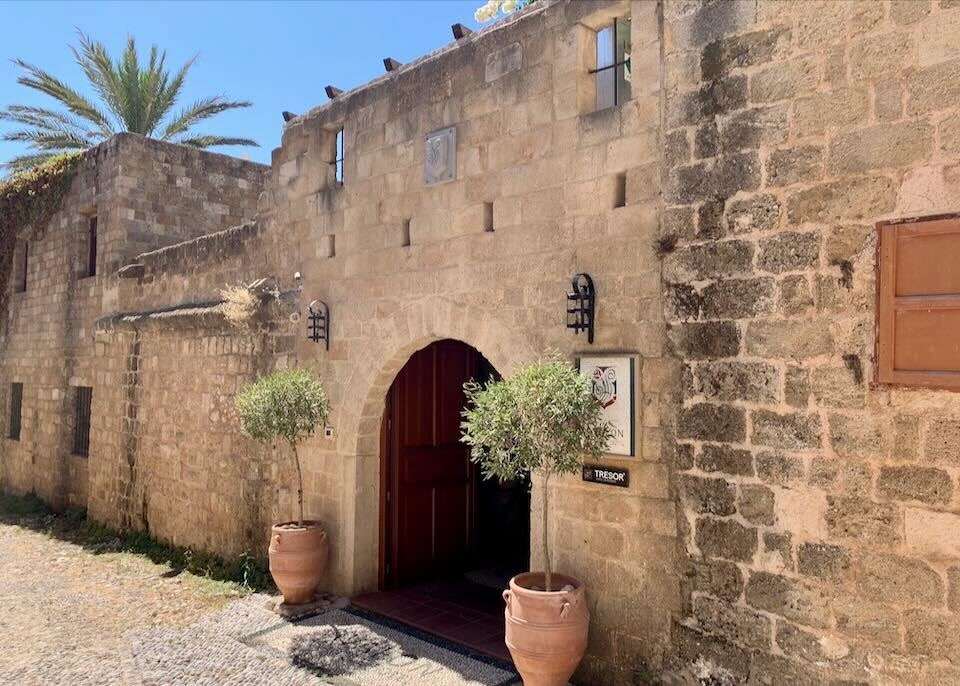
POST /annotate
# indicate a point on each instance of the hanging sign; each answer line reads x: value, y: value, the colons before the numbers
x: 612, y: 476
x: 612, y: 381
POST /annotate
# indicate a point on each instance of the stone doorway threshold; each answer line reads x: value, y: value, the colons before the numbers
x: 456, y: 610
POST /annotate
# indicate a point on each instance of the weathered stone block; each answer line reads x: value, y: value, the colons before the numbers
x: 755, y: 381
x: 856, y: 435
x: 949, y: 135
x: 756, y: 213
x: 775, y: 468
x: 795, y: 295
x: 925, y: 484
x: 877, y: 55
x: 679, y: 222
x: 797, y: 386
x: 751, y: 128
x: 676, y: 148
x: 503, y: 61
x: 797, y: 430
x: 716, y: 97
x: 744, y: 50
x: 851, y: 517
x: 942, y: 444
x: 888, y: 100
x: 883, y: 145
x: 839, y: 200
x: 756, y: 504
x: 837, y: 387
x: 683, y: 456
x: 722, y: 177
x: 707, y: 496
x: 823, y: 560
x: 784, y: 80
x: 900, y: 580
x: 857, y: 617
x: 723, y: 458
x: 841, y: 107
x: 933, y: 88
x: 953, y: 590
x: 934, y: 634
x: 710, y: 222
x: 707, y: 260
x: 789, y: 338
x: 909, y: 11
x: 788, y: 252
x: 726, y: 538
x: 705, y: 341
x: 719, y: 578
x: 681, y: 302
x: 906, y: 437
x: 779, y: 544
x: 794, y: 599
x: 734, y: 622
x: 930, y: 534
x: 737, y: 298
x: 709, y: 422
x: 706, y: 141
x: 800, y: 164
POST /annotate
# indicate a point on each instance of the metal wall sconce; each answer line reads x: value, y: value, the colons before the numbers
x: 318, y: 322
x: 581, y: 304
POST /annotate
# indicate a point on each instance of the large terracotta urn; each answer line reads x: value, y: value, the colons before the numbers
x: 298, y: 560
x: 546, y: 632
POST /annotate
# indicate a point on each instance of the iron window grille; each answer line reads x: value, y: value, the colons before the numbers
x: 16, y: 406
x: 81, y: 425
x: 612, y: 72
x: 92, y: 247
x: 338, y: 158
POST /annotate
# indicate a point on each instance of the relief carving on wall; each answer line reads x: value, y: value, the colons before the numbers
x: 440, y: 156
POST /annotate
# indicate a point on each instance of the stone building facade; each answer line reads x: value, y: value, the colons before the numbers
x: 787, y: 518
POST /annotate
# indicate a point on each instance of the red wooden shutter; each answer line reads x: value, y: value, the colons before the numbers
x: 918, y: 313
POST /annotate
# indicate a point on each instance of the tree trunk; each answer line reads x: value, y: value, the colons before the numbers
x: 296, y: 459
x: 546, y: 540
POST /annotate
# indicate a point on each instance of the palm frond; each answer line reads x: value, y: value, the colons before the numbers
x: 95, y: 61
x: 167, y: 97
x: 44, y: 82
x: 201, y: 141
x: 42, y: 139
x: 198, y: 111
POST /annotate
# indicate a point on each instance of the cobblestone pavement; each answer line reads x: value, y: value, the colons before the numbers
x: 70, y: 617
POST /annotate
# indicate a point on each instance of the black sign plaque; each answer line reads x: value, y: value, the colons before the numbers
x: 611, y: 476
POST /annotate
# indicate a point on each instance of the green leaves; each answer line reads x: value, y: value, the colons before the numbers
x: 132, y: 97
x: 543, y: 418
x: 286, y: 404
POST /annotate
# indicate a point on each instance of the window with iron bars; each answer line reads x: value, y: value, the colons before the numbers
x: 16, y: 407
x: 81, y: 424
x: 612, y: 72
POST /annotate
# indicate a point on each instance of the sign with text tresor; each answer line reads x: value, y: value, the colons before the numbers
x: 612, y: 476
x: 612, y: 381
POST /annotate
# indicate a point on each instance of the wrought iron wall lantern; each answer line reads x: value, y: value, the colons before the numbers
x: 581, y: 304
x: 318, y: 322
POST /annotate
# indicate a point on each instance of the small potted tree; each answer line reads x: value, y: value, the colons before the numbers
x: 544, y: 419
x: 287, y: 406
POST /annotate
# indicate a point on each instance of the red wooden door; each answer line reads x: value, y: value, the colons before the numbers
x: 430, y: 480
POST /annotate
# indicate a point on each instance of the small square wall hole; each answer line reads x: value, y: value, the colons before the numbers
x: 488, y: 217
x: 620, y: 191
x: 328, y: 245
x: 405, y: 233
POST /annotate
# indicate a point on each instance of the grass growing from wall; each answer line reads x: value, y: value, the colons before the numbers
x: 246, y: 572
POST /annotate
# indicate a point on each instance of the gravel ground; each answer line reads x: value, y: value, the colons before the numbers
x: 66, y: 615
x: 69, y: 617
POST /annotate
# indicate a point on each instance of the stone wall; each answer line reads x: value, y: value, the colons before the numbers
x: 47, y: 336
x: 818, y: 510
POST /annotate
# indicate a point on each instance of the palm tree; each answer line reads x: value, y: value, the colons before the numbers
x: 130, y: 99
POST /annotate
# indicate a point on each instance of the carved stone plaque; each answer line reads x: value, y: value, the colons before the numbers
x: 440, y: 156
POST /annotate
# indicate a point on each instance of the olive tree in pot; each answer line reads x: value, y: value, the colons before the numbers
x: 287, y: 406
x: 544, y: 419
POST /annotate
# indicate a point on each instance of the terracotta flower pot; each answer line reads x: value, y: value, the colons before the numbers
x: 546, y: 632
x: 298, y: 560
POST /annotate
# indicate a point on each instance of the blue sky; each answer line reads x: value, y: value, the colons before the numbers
x: 279, y: 55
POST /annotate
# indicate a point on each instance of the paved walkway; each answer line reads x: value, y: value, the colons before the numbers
x: 74, y: 618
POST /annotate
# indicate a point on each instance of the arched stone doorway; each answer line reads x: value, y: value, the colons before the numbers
x: 439, y: 518
x: 449, y: 539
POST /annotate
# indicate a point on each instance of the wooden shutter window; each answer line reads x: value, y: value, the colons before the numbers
x: 918, y: 312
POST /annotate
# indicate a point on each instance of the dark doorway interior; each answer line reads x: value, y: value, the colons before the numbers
x: 446, y: 532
